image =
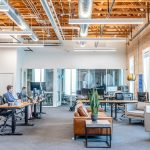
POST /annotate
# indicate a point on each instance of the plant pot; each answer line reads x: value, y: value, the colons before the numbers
x: 94, y: 117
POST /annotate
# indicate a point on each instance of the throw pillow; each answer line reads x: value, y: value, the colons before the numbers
x: 82, y: 111
x: 141, y: 105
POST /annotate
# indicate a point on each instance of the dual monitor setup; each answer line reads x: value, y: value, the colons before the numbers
x: 37, y: 87
x: 102, y: 90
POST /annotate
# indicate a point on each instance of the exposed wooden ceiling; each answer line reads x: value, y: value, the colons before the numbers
x: 34, y: 14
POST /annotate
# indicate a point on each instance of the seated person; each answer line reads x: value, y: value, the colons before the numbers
x: 23, y: 94
x: 24, y: 97
x: 118, y: 92
x: 8, y: 95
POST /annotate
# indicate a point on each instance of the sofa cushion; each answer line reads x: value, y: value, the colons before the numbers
x: 136, y: 113
x: 82, y: 111
x: 76, y: 114
x: 79, y: 104
x: 141, y: 105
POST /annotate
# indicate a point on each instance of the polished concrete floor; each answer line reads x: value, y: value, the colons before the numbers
x: 55, y: 131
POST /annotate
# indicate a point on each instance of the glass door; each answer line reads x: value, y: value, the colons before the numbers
x: 40, y: 81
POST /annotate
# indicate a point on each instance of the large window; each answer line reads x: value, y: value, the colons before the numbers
x: 146, y: 69
x: 131, y: 70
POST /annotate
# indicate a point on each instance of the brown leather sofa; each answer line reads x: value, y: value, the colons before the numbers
x: 79, y: 124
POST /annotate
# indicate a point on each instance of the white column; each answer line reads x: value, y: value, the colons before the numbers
x: 55, y: 88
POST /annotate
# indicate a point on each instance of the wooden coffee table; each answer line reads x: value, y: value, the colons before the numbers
x: 100, y: 124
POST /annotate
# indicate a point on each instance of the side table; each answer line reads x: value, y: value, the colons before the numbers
x: 100, y: 124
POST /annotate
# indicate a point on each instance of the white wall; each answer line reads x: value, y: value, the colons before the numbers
x: 58, y: 57
x: 8, y: 62
x: 13, y: 61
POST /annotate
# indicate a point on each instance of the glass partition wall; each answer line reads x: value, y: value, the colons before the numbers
x: 76, y: 81
x: 42, y: 78
x: 61, y: 86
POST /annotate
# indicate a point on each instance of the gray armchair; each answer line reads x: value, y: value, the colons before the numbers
x: 135, y: 110
x: 147, y: 118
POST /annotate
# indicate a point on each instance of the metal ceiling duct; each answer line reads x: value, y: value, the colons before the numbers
x: 13, y: 14
x: 50, y: 11
x: 85, y: 12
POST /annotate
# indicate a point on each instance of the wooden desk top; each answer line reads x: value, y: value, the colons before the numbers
x: 23, y: 104
x: 111, y: 101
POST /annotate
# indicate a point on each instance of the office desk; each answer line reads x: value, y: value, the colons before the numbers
x: 112, y: 103
x: 35, y: 108
x: 13, y: 124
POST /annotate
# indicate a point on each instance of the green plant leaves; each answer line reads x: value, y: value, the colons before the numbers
x: 94, y: 101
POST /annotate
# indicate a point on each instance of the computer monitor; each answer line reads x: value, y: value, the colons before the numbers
x: 85, y: 92
x: 124, y: 88
x: 35, y: 85
x: 111, y: 88
x: 101, y: 91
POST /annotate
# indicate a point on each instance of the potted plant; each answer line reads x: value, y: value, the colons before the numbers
x: 94, y: 104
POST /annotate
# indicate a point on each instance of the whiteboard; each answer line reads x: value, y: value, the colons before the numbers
x: 5, y: 79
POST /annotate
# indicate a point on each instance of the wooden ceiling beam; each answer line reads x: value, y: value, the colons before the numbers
x: 102, y: 1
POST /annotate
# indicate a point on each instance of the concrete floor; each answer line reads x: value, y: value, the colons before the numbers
x: 55, y: 131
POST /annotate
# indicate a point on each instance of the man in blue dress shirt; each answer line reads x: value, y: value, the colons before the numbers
x: 8, y: 95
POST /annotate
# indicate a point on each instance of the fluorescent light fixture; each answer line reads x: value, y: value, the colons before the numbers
x: 100, y: 39
x: 21, y: 45
x: 16, y: 33
x: 4, y: 8
x: 102, y: 49
x: 107, y: 21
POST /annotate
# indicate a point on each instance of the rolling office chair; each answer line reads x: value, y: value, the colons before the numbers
x: 120, y: 96
x: 18, y: 112
x: 4, y: 113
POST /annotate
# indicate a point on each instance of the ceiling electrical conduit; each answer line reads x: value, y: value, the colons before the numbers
x: 51, y: 14
x: 14, y: 15
x: 85, y: 12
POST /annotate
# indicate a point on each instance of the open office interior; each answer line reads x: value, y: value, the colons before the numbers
x: 74, y: 74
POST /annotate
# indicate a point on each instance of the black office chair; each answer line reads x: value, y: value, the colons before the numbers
x: 17, y: 113
x: 4, y: 113
x: 121, y: 107
x: 119, y: 96
x: 143, y: 96
x: 19, y: 95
